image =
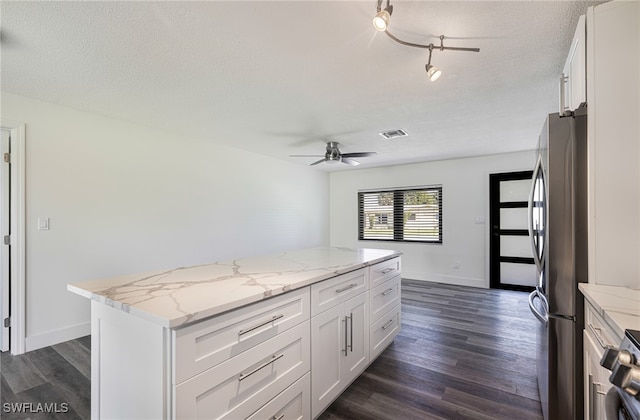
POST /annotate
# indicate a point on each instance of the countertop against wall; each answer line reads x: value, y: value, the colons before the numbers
x: 619, y: 306
x: 175, y: 297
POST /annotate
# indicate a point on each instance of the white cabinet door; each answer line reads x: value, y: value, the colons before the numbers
x: 327, y: 348
x: 340, y: 349
x: 357, y: 349
x: 575, y: 69
x: 596, y: 380
x: 614, y: 143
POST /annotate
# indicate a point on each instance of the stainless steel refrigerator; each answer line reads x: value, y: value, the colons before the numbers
x: 558, y: 232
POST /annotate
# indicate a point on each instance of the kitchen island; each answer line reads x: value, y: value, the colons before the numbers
x: 234, y: 339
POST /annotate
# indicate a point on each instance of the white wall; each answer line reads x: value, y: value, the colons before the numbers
x: 465, y: 192
x: 124, y: 198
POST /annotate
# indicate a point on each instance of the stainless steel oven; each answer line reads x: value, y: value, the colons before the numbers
x: 623, y: 399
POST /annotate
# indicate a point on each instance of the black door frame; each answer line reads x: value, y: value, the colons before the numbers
x: 495, y: 232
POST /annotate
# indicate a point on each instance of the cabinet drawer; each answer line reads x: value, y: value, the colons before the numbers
x: 384, y: 331
x: 596, y: 326
x: 339, y: 289
x: 241, y: 385
x: 381, y: 272
x: 384, y: 297
x: 211, y: 342
x: 292, y: 403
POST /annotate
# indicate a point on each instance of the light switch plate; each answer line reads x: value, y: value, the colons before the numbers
x: 43, y: 223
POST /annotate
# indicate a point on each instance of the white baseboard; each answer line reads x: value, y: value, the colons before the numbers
x: 57, y: 336
x: 440, y: 278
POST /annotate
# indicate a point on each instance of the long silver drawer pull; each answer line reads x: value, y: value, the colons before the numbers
x: 596, y: 334
x: 387, y: 270
x: 262, y: 324
x: 386, y: 292
x: 388, y: 324
x: 280, y: 417
x: 351, y: 286
x: 244, y: 376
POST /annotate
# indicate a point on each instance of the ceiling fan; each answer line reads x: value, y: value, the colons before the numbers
x: 333, y: 155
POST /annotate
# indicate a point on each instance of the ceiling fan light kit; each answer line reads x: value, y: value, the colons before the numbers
x: 381, y: 23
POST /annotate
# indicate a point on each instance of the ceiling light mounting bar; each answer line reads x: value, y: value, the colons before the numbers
x: 430, y: 46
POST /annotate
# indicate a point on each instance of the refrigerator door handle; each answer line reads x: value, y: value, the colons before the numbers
x: 534, y: 230
x: 541, y: 317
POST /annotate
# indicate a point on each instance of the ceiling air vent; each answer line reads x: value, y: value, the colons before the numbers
x: 393, y: 134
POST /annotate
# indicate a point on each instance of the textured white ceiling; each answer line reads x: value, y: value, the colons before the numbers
x: 280, y: 78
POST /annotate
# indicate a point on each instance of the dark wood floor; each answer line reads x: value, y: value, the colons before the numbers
x: 58, y: 376
x: 463, y: 353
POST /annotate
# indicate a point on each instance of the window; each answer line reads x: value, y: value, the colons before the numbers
x: 402, y: 215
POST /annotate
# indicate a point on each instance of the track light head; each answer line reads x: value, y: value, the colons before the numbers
x: 433, y: 72
x: 381, y: 19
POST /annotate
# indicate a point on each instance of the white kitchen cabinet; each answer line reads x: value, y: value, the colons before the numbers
x: 294, y: 403
x: 383, y: 271
x: 383, y: 331
x: 233, y: 389
x: 340, y: 349
x: 384, y: 297
x: 573, y: 86
x: 597, y: 336
x: 613, y: 97
x: 208, y: 343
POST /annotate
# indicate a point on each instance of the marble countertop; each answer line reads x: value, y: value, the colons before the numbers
x: 172, y: 298
x: 619, y: 306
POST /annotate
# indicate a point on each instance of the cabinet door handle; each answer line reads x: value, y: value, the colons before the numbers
x: 387, y: 270
x: 262, y: 324
x: 346, y: 347
x: 563, y: 106
x: 244, y: 376
x: 592, y: 404
x: 386, y: 292
x: 387, y: 324
x: 596, y: 334
x: 351, y: 322
x: 351, y: 286
x: 280, y: 417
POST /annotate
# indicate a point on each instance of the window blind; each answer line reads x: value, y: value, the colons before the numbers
x: 405, y: 215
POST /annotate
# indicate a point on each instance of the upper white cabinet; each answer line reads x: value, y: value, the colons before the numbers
x: 573, y: 86
x: 613, y: 92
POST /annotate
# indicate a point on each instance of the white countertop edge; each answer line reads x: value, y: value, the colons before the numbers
x: 178, y: 322
x: 617, y: 316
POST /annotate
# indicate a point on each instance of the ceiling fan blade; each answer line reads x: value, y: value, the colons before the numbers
x: 320, y: 161
x: 349, y: 161
x: 359, y: 154
x: 306, y: 155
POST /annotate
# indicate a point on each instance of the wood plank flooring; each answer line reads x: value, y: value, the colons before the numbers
x: 59, y: 376
x: 463, y: 353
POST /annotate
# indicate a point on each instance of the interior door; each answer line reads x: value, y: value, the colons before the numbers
x: 4, y: 249
x: 512, y: 265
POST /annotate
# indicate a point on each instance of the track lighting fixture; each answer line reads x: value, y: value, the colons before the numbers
x: 381, y: 19
x: 433, y: 72
x: 381, y: 23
